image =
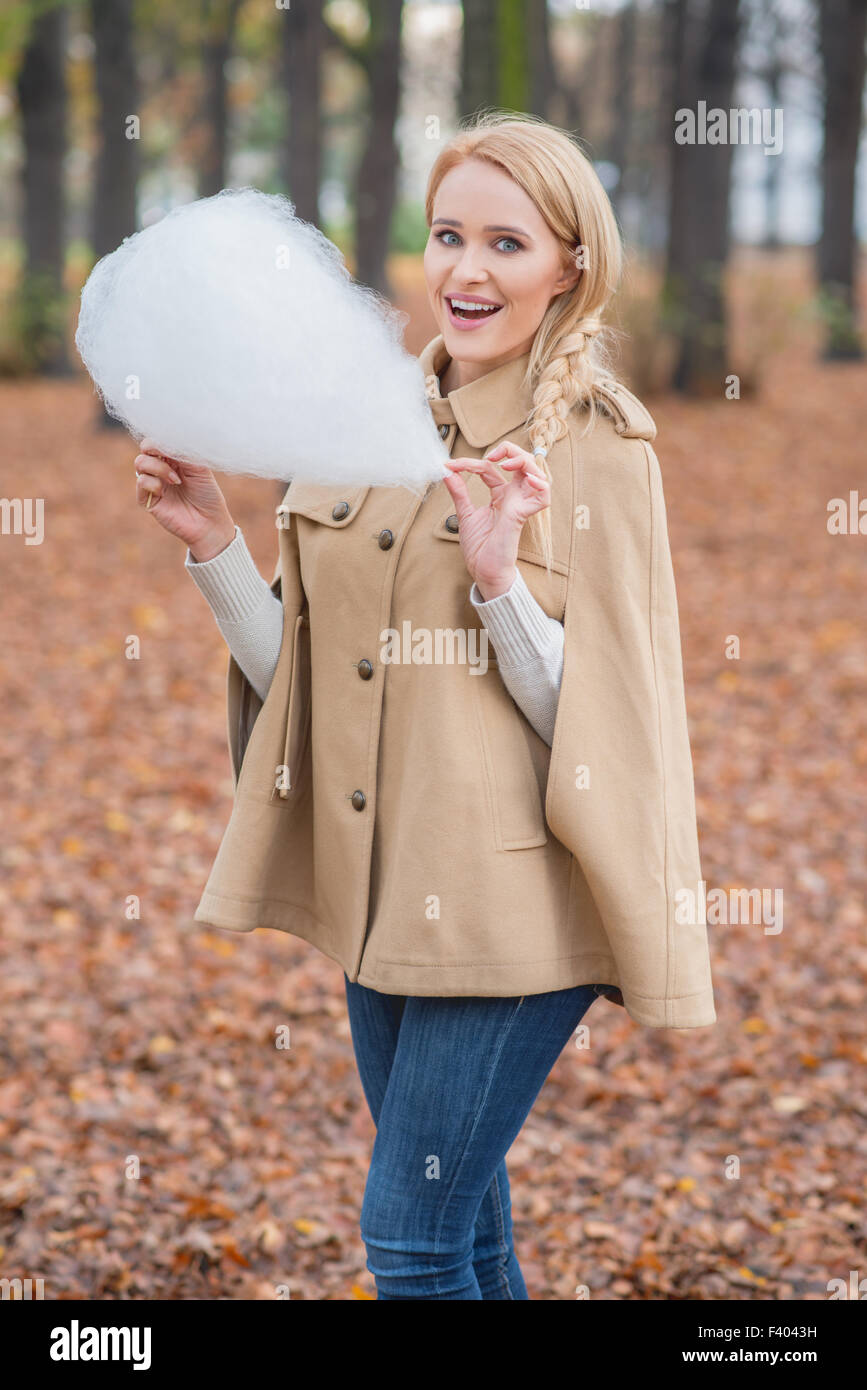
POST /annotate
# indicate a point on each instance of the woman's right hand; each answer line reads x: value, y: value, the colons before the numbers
x: 187, y: 501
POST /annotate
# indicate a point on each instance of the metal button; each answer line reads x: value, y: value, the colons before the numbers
x: 359, y: 800
x: 365, y: 670
x: 386, y: 539
x: 340, y: 511
x: 444, y: 429
x: 452, y: 523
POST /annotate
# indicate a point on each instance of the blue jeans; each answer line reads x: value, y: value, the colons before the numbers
x: 449, y: 1083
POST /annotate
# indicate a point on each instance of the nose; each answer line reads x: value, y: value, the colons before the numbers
x: 470, y: 269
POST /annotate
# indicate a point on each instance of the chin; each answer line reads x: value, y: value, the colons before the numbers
x: 467, y: 348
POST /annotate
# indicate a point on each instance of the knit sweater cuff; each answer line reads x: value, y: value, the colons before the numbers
x: 230, y: 582
x: 519, y: 627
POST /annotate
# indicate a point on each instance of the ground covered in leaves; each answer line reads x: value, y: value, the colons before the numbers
x: 156, y: 1144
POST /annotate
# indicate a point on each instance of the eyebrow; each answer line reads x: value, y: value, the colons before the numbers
x: 450, y: 222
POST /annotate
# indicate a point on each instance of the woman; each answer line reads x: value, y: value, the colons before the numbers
x: 535, y: 842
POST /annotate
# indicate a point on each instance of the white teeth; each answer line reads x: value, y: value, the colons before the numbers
x: 471, y: 304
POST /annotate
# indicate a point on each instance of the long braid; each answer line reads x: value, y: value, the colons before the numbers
x: 565, y: 381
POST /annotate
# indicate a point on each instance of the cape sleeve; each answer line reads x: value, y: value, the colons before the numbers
x: 243, y: 704
x: 620, y: 790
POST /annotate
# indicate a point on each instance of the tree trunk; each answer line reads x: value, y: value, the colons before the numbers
x: 376, y: 183
x: 624, y: 81
x: 479, y: 61
x: 773, y: 172
x: 220, y: 18
x: 543, y: 79
x: 117, y: 160
x: 302, y: 40
x: 506, y: 56
x: 113, y: 215
x: 676, y: 64
x: 513, y: 55
x: 643, y: 203
x: 842, y: 33
x: 39, y: 309
x: 699, y: 209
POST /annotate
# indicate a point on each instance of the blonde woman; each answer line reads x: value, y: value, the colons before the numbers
x: 457, y: 721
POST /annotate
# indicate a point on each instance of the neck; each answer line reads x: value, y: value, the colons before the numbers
x: 457, y: 373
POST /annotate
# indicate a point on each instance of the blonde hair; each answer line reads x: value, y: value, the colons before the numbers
x: 570, y: 354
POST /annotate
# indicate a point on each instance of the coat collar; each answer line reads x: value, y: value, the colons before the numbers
x: 485, y: 409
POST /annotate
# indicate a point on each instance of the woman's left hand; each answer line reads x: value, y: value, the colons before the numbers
x: 489, y: 535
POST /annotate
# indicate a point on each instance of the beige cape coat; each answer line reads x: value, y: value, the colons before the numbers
x: 401, y: 814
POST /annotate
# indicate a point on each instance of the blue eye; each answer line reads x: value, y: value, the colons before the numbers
x: 510, y: 247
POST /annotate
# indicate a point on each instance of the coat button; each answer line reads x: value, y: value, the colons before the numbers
x: 340, y: 511
x: 452, y: 522
x: 444, y: 429
x: 386, y: 539
x: 359, y: 800
x: 365, y: 670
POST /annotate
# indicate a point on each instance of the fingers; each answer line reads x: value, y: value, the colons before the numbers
x: 540, y: 497
x: 513, y: 460
x: 525, y: 467
x: 147, y: 446
x: 156, y: 467
x: 508, y: 455
x: 148, y: 489
x: 457, y: 489
x: 511, y: 457
x: 153, y: 474
x: 185, y: 469
x: 536, y: 480
x: 486, y: 470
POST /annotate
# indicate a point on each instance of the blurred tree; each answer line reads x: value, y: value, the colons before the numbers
x: 620, y: 145
x: 302, y: 41
x: 703, y: 43
x: 219, y: 19
x: 512, y: 47
x: 378, y: 54
x: 479, y: 70
x: 641, y: 195
x: 543, y: 75
x: 113, y: 214
x: 842, y: 26
x: 506, y: 59
x: 38, y: 305
x: 117, y: 159
x: 376, y: 184
x: 674, y: 66
x: 772, y: 71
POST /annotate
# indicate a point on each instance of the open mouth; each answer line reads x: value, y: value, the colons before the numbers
x: 472, y: 310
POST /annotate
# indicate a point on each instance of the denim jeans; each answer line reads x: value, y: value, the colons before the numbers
x: 449, y: 1083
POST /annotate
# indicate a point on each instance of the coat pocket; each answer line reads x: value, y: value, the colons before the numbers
x: 289, y: 775
x: 513, y: 776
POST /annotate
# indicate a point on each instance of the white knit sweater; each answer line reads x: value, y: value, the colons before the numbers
x: 528, y: 644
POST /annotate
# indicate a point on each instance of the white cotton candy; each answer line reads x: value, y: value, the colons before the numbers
x: 231, y: 333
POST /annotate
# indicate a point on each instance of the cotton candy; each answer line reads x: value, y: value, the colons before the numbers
x: 231, y: 333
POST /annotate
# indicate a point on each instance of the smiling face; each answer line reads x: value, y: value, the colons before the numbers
x: 492, y: 266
